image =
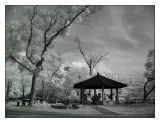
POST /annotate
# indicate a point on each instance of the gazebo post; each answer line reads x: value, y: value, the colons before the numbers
x: 111, y: 94
x: 117, y: 95
x: 81, y: 95
x: 102, y: 93
x: 95, y: 94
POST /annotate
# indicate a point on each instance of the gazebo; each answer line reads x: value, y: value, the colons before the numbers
x: 99, y: 82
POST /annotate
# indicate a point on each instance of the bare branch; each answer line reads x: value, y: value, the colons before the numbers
x: 13, y: 58
x: 99, y: 59
x: 55, y: 71
x: 77, y: 40
x: 94, y: 10
x: 146, y: 83
x: 92, y: 59
x: 31, y: 33
x: 59, y: 31
x: 47, y: 30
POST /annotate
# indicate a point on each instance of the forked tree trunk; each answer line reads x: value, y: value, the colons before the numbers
x: 32, y: 94
x: 147, y: 94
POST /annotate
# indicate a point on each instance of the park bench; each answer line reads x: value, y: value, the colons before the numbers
x: 24, y: 101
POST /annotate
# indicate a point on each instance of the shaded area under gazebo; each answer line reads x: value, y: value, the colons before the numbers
x: 98, y: 82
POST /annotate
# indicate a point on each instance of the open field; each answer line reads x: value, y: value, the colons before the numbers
x: 89, y: 111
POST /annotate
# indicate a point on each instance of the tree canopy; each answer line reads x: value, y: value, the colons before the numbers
x: 28, y: 42
x: 150, y: 64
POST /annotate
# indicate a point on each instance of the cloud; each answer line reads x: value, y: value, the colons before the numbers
x: 126, y: 32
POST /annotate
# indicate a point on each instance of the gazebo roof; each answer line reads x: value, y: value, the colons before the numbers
x: 97, y: 82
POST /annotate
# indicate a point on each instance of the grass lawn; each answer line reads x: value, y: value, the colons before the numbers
x: 133, y: 110
x: 89, y: 111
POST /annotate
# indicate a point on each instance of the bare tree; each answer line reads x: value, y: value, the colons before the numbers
x: 91, y: 59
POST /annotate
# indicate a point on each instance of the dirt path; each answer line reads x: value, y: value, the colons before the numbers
x: 134, y: 110
x: 107, y: 113
x: 103, y: 111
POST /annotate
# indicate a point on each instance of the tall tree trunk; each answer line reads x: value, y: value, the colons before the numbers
x: 90, y: 74
x: 23, y: 91
x: 32, y: 93
x: 144, y: 96
x: 43, y: 91
x: 144, y: 89
x: 7, y: 91
x: 90, y: 71
x: 48, y: 96
x: 9, y: 86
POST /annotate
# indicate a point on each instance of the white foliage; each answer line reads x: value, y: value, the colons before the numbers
x: 40, y: 22
x: 13, y: 75
x: 78, y: 64
x: 22, y: 53
x: 37, y: 32
x: 12, y: 71
x: 14, y: 25
x: 74, y: 8
x: 62, y: 71
x: 48, y: 19
x: 72, y: 15
x: 15, y: 92
x: 78, y: 69
x: 67, y: 22
x: 14, y: 33
x: 66, y: 32
x: 87, y: 11
x: 104, y: 70
x: 18, y: 37
x: 79, y: 19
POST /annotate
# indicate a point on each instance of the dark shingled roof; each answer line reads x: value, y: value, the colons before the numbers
x: 97, y: 82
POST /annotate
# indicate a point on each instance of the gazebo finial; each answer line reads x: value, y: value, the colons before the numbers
x: 98, y: 73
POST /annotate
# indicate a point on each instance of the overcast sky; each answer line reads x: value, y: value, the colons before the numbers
x: 125, y: 32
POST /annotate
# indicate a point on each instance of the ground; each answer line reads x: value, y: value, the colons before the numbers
x: 89, y: 111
